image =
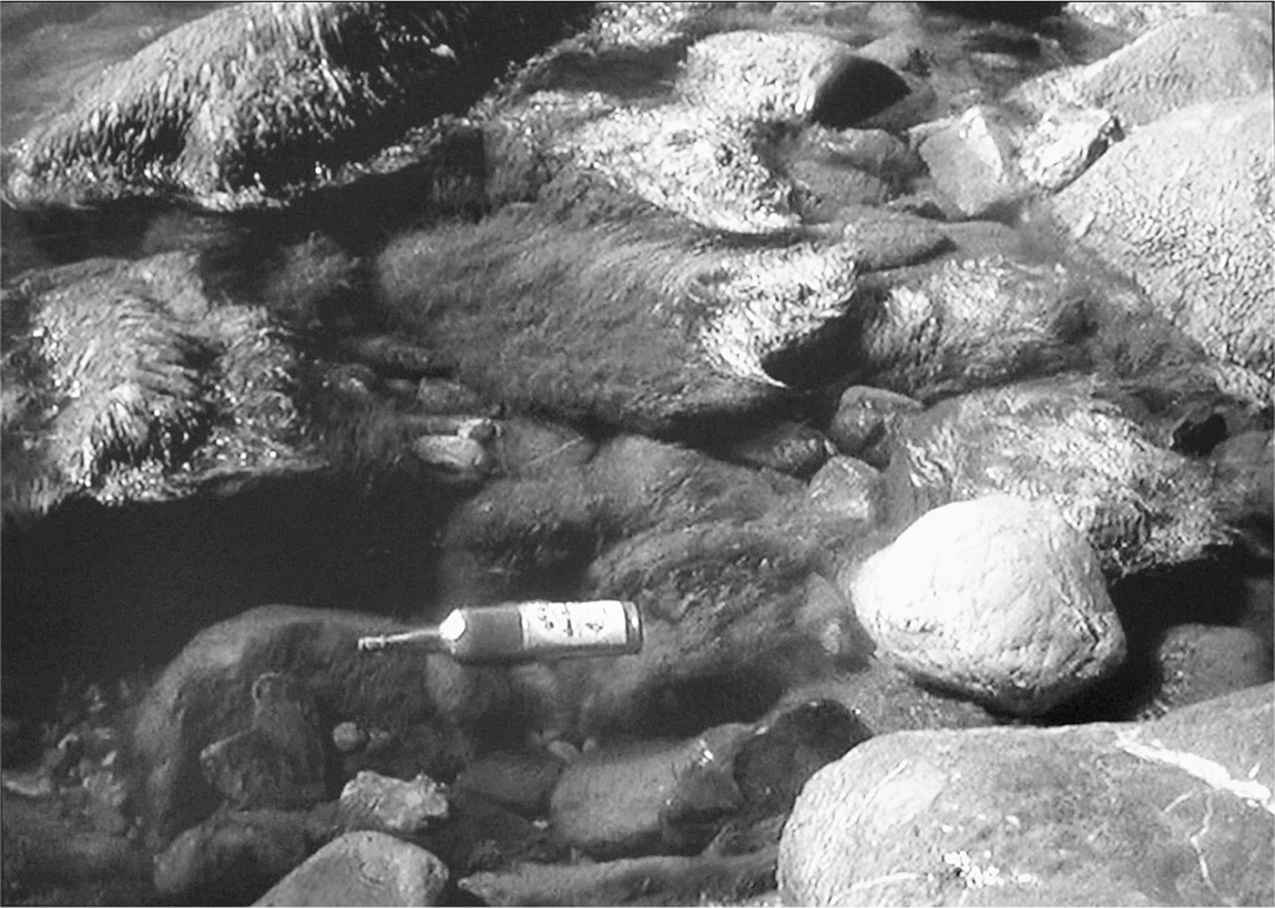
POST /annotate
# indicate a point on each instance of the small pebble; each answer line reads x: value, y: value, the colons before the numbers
x: 348, y: 737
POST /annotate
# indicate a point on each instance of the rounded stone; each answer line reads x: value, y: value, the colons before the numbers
x: 996, y: 598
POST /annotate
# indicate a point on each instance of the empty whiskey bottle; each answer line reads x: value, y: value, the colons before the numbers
x: 525, y: 631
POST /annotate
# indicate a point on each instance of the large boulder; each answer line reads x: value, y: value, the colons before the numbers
x: 1138, y: 504
x: 1174, y: 811
x: 1183, y: 62
x: 997, y: 598
x: 1183, y: 207
x: 256, y: 102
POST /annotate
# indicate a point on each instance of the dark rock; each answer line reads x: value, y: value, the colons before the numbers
x: 482, y: 835
x: 363, y: 868
x: 624, y: 801
x: 1018, y: 13
x: 959, y: 324
x: 827, y: 189
x: 660, y: 880
x: 787, y: 447
x: 998, y: 599
x: 43, y: 846
x: 521, y: 781
x: 1200, y: 662
x: 683, y: 362
x: 198, y: 699
x: 396, y: 356
x: 1138, y: 504
x: 205, y: 114
x: 123, y: 382
x: 531, y: 448
x: 717, y: 599
x: 864, y: 420
x: 279, y: 761
x: 442, y: 395
x: 1150, y: 204
x: 885, y: 239
x: 235, y: 857
x: 404, y: 808
x: 886, y: 700
x: 1174, y: 810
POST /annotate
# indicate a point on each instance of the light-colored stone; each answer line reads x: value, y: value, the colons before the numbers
x: 972, y: 159
x: 997, y: 598
x: 1183, y: 206
x: 393, y: 805
x: 363, y: 868
x: 1064, y: 143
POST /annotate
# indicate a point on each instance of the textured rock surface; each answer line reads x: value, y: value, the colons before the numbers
x: 255, y: 102
x: 1138, y: 504
x: 1199, y: 662
x: 1177, y: 810
x: 363, y: 868
x: 396, y: 806
x: 1183, y: 207
x: 1183, y: 62
x: 997, y: 598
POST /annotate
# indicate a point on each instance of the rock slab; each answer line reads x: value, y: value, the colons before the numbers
x: 363, y: 868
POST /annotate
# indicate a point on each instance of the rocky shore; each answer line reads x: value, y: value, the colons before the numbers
x: 909, y: 365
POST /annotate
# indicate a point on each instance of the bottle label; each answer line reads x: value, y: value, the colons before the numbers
x: 558, y: 625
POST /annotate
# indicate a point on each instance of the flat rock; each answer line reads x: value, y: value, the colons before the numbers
x: 363, y: 868
x: 848, y: 488
x: 1200, y: 662
x: 1174, y: 811
x: 1155, y: 205
x: 996, y: 598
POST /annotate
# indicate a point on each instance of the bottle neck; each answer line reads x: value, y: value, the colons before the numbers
x: 428, y: 637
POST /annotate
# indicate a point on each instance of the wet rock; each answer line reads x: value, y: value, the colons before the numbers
x: 205, y: 114
x: 197, y: 699
x: 521, y: 781
x: 278, y: 762
x: 1025, y: 14
x: 670, y: 360
x: 885, y: 239
x: 1177, y: 809
x: 972, y: 160
x: 687, y: 160
x: 615, y: 802
x: 373, y: 801
x: 763, y: 76
x: 125, y: 383
x: 1200, y: 662
x: 848, y: 489
x: 873, y: 151
x: 390, y: 355
x: 1139, y: 505
x: 966, y: 323
x: 236, y: 856
x: 997, y: 598
x: 1183, y: 62
x: 1152, y: 205
x: 788, y: 447
x: 363, y: 868
x: 827, y: 189
x: 863, y: 422
x: 1064, y: 144
x: 660, y: 880
x: 532, y: 448
x: 715, y: 598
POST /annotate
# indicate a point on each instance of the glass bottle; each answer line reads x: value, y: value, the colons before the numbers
x: 525, y: 631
